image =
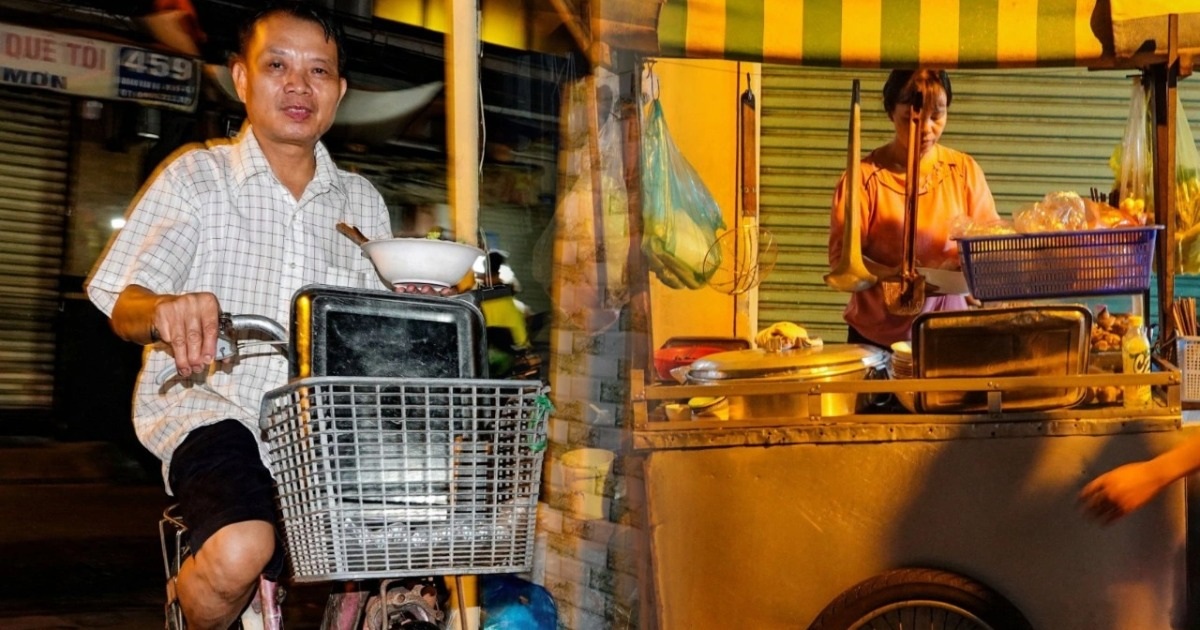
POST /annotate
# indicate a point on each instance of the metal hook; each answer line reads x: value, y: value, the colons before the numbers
x: 652, y: 79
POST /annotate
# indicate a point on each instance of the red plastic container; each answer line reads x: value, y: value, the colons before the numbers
x: 680, y: 351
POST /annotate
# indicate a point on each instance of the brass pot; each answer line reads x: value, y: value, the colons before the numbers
x: 832, y: 362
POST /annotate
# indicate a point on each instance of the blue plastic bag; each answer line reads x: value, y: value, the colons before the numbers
x: 511, y: 603
x: 680, y: 216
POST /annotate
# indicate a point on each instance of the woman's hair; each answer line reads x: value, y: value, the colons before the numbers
x: 903, y: 85
x: 300, y: 10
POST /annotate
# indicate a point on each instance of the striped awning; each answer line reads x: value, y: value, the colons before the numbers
x: 894, y: 33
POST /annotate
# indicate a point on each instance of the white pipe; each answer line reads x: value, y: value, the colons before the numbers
x: 462, y: 121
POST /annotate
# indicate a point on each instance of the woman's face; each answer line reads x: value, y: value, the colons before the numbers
x: 931, y: 128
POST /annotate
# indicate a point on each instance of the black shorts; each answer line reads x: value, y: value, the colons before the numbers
x: 218, y: 479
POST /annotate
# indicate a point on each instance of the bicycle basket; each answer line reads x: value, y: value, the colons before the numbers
x: 386, y: 477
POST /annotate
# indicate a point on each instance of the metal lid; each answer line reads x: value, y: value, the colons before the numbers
x: 799, y: 363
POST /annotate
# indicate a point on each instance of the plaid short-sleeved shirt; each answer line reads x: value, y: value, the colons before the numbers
x: 217, y: 219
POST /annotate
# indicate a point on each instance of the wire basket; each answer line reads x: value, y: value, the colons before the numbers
x: 1188, y: 351
x: 1058, y: 264
x: 386, y: 477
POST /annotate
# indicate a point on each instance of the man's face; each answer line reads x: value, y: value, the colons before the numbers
x: 289, y: 81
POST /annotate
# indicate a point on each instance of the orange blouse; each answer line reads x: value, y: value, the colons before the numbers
x: 952, y: 185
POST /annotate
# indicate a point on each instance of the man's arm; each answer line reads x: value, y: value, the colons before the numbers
x: 1127, y: 488
x: 187, y: 323
x: 1178, y: 462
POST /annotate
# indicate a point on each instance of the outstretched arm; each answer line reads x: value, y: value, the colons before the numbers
x: 1127, y: 488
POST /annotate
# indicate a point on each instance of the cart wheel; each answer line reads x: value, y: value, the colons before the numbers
x: 920, y: 598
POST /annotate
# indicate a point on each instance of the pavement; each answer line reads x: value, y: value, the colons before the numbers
x: 79, y: 543
x: 78, y: 537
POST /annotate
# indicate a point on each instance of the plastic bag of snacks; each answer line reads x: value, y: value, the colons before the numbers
x: 1066, y: 211
x: 680, y: 214
x: 1056, y: 212
x: 1136, y: 178
x: 1187, y: 196
x: 964, y: 226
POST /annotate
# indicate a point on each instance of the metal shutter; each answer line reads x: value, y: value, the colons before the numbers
x: 34, y: 134
x: 1033, y: 131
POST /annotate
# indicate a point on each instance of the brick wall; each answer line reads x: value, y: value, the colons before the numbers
x: 590, y: 553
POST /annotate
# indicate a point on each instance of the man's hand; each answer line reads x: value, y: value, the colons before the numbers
x: 187, y: 323
x: 425, y: 289
x: 1120, y: 491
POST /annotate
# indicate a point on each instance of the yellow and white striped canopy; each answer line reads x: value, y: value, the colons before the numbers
x: 895, y: 33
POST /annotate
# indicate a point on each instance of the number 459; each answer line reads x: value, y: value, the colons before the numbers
x: 156, y: 64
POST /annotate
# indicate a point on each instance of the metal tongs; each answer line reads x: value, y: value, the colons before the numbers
x: 905, y: 294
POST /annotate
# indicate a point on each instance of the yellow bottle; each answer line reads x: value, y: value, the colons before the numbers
x: 1135, y: 359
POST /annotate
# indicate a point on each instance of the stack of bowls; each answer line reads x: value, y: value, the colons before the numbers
x: 902, y: 367
x: 902, y: 361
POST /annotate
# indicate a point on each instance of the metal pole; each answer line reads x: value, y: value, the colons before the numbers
x: 462, y: 115
x: 462, y: 143
x: 641, y: 339
x: 1165, y: 77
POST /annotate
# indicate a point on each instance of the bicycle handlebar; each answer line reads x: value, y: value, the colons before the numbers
x: 260, y: 323
x: 228, y: 329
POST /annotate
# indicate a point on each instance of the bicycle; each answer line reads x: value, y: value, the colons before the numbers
x: 389, y: 479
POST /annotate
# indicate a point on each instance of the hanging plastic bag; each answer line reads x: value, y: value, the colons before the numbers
x: 594, y: 234
x: 1187, y: 195
x: 1136, y: 177
x: 615, y: 211
x: 680, y: 216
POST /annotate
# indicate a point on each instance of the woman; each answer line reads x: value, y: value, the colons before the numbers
x: 951, y: 186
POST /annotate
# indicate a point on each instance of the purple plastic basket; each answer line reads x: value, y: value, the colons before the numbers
x: 1058, y: 264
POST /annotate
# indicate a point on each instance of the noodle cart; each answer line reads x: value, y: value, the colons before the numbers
x: 792, y: 520
x: 792, y: 512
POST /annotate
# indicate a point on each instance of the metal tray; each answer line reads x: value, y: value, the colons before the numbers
x: 1019, y: 341
x: 354, y: 332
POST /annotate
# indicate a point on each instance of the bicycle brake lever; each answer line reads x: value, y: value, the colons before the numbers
x: 226, y: 346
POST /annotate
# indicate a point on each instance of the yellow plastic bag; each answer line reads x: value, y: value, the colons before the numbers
x: 1136, y: 175
x: 1187, y: 195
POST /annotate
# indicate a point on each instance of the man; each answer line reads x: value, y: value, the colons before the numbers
x: 1127, y: 488
x: 236, y: 227
x: 508, y: 336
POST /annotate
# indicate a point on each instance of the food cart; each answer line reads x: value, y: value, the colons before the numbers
x: 791, y: 520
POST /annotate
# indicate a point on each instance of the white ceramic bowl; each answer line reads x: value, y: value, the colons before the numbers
x: 421, y: 260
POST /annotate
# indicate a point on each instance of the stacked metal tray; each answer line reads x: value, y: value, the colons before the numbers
x: 1020, y: 341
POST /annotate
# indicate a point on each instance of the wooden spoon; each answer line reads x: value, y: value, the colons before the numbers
x: 353, y: 233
